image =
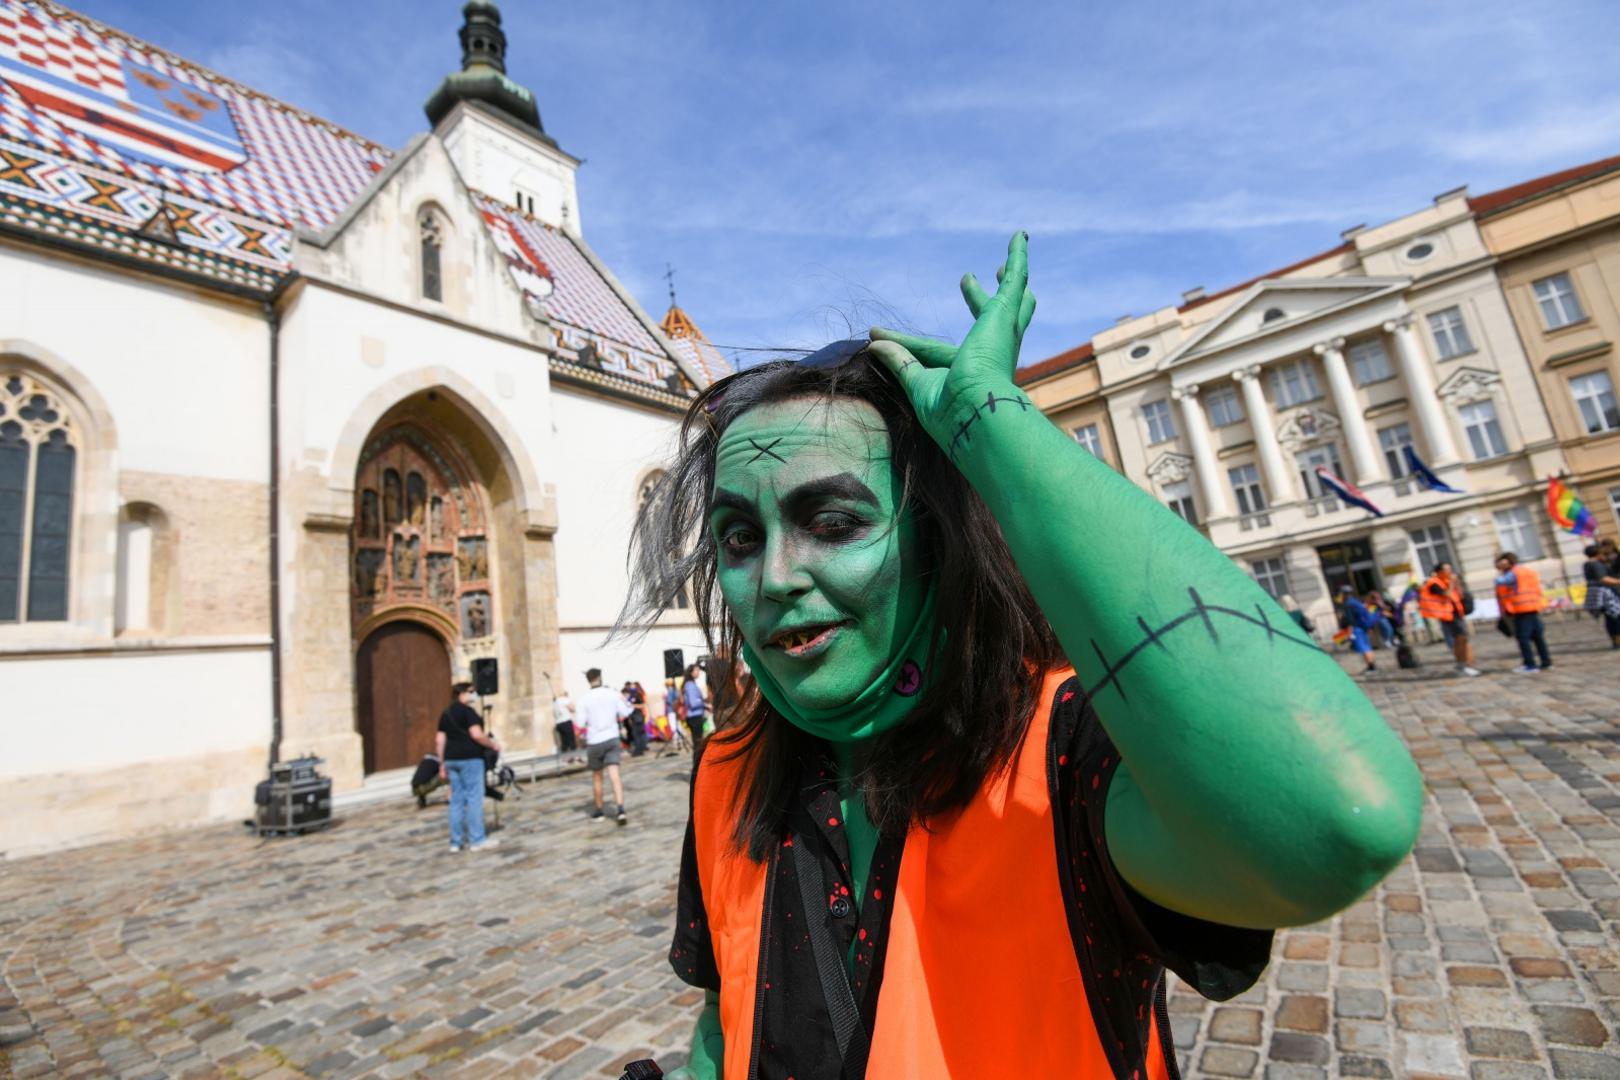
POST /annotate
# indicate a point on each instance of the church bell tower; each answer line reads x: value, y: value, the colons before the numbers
x: 490, y: 125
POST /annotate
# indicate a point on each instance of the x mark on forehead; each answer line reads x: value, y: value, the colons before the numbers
x: 766, y: 451
x: 844, y: 485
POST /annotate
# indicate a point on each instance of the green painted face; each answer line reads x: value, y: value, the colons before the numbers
x: 815, y: 562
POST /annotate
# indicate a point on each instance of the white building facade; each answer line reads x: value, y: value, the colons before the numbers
x: 294, y: 428
x: 1225, y: 406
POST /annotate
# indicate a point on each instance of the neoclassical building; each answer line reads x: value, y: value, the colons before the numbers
x: 1558, y: 245
x: 294, y: 427
x: 1225, y: 405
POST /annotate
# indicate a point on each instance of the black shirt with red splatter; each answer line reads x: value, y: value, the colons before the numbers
x: 1124, y: 942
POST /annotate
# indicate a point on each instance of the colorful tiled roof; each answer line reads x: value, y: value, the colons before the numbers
x: 694, y: 347
x: 101, y: 133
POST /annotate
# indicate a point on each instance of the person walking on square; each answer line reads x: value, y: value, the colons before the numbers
x: 636, y: 722
x: 694, y: 707
x: 1360, y: 620
x: 1441, y: 599
x: 460, y: 744
x: 601, y: 709
x: 562, y: 715
x: 1518, y: 595
x: 1602, y: 591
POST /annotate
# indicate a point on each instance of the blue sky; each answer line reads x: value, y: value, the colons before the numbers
x: 806, y: 166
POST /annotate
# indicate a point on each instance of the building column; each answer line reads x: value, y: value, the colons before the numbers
x: 1216, y: 504
x: 1279, y: 481
x: 1368, y: 468
x: 1431, y: 419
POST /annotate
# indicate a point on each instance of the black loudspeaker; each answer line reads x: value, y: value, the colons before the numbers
x: 674, y: 663
x: 486, y: 673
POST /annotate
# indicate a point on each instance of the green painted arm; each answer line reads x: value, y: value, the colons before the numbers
x: 708, y: 1053
x: 1259, y: 786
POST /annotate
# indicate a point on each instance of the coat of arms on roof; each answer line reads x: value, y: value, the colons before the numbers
x: 527, y: 268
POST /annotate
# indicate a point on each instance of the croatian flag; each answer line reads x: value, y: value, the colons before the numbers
x: 1346, y: 491
x: 1425, y: 475
x: 84, y: 85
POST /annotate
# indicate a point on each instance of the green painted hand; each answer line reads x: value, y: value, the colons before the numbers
x: 948, y: 382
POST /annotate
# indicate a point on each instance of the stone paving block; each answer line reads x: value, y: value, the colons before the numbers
x: 1303, y: 1012
x: 1289, y: 1046
x: 1572, y: 1026
x: 1584, y: 1065
x: 1361, y: 1037
x: 1358, y: 1065
x: 1438, y: 1054
x: 1228, y: 1061
x: 1235, y: 1025
x: 1359, y: 1004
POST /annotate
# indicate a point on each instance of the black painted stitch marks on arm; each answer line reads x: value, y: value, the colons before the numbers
x: 1200, y: 611
x: 765, y: 451
x: 987, y: 408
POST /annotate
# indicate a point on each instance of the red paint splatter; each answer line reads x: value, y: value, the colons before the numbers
x: 1063, y: 759
x: 1067, y: 695
x: 788, y: 842
x: 861, y: 935
x: 877, y: 894
x: 833, y: 822
x: 1095, y: 780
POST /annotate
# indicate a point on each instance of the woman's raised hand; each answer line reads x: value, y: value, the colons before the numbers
x: 939, y: 377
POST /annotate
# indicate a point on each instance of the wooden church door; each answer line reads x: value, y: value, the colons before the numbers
x: 403, y: 677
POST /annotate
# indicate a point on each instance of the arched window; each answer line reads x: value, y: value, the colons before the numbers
x: 39, y: 453
x: 432, y: 235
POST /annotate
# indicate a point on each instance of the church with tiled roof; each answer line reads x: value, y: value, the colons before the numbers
x: 303, y: 426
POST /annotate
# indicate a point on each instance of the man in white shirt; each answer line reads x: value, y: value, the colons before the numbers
x: 562, y: 715
x: 600, y: 710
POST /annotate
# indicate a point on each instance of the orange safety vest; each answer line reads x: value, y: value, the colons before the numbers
x: 972, y: 986
x: 1525, y: 597
x: 1445, y: 606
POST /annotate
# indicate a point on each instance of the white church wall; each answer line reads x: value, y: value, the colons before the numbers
x: 604, y: 450
x: 184, y: 374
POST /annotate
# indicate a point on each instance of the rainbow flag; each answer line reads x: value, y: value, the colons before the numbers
x: 1566, y: 508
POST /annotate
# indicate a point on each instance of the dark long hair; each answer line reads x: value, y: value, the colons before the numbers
x: 990, y: 638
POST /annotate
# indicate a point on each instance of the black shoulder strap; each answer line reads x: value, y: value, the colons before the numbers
x: 846, y: 1017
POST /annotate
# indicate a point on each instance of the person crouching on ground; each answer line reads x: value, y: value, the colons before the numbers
x: 601, y: 709
x: 460, y: 744
x: 1023, y: 738
x: 1518, y: 596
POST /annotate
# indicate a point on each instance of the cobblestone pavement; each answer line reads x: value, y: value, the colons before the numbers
x: 371, y: 950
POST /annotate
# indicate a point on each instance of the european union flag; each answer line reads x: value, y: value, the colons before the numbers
x: 1425, y: 475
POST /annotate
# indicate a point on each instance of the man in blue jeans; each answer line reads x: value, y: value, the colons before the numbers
x: 461, y: 742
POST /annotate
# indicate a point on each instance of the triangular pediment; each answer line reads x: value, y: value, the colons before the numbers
x: 1270, y: 307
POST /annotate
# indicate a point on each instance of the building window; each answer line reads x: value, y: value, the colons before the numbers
x: 1517, y: 531
x: 1594, y: 396
x: 432, y: 245
x: 1559, y: 304
x: 1294, y: 383
x: 1370, y: 363
x: 1161, y: 427
x: 1432, y: 547
x: 1178, y: 497
x: 38, y: 466
x: 1224, y: 407
x: 1251, y: 499
x: 1088, y: 436
x: 1450, y: 333
x: 1394, y: 440
x: 1308, y: 460
x: 1272, y: 576
x: 1272, y: 315
x: 1484, y: 433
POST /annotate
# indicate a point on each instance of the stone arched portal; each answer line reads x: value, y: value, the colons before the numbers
x: 419, y: 585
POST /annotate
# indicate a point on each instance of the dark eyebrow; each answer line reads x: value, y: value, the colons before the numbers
x: 842, y: 485
x: 729, y: 499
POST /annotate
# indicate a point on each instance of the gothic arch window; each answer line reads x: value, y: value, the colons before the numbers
x: 39, y: 466
x: 431, y: 234
x: 419, y: 537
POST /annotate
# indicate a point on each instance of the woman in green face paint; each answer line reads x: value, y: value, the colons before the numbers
x: 990, y: 672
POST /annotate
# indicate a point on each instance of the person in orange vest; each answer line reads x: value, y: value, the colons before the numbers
x: 1441, y: 599
x: 1518, y: 595
x: 1023, y: 740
